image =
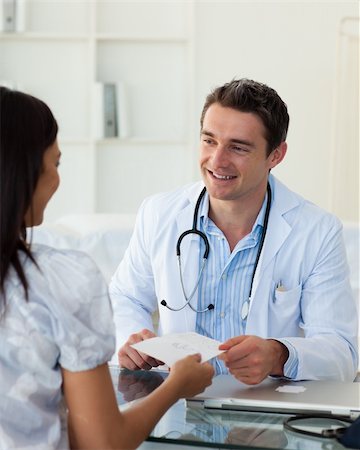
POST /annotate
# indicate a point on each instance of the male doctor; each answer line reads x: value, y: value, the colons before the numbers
x: 262, y: 270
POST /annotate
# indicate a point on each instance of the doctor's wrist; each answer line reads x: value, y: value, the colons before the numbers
x: 280, y: 354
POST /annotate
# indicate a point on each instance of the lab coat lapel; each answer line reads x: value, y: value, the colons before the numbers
x: 277, y: 232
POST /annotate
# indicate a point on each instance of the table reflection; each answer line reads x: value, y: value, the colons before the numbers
x: 200, y: 427
x: 134, y: 384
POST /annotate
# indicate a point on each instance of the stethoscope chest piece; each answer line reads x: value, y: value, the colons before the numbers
x: 245, y: 309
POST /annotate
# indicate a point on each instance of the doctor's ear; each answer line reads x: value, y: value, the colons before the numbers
x: 277, y: 155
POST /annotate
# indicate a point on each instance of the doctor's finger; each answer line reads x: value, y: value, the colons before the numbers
x: 129, y: 356
x: 247, y: 378
x: 126, y: 362
x: 141, y: 360
x: 146, y: 362
x: 238, y: 364
x: 150, y: 360
x: 232, y: 341
x: 146, y: 334
x: 236, y: 353
x: 248, y: 368
x: 136, y: 337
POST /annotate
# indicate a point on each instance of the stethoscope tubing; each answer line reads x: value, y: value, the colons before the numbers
x: 203, y: 236
x: 194, y: 229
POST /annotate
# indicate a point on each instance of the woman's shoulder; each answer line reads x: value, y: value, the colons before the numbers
x: 68, y: 300
x: 64, y: 270
x: 51, y: 260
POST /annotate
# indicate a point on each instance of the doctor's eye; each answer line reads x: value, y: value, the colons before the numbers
x: 208, y: 141
x: 238, y: 149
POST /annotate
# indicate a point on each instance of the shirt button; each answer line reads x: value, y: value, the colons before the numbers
x: 222, y: 315
x: 223, y: 276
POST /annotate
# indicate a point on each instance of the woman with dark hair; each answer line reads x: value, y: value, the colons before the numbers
x: 56, y: 329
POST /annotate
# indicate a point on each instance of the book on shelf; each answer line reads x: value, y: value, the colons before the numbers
x: 109, y: 118
x: 12, y: 15
x: 7, y: 15
x: 104, y: 123
x: 123, y: 130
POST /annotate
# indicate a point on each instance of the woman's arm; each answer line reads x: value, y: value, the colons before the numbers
x: 95, y: 421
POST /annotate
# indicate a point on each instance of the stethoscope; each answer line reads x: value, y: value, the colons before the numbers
x: 246, y: 305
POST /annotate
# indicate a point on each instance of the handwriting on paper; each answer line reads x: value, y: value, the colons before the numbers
x: 172, y: 347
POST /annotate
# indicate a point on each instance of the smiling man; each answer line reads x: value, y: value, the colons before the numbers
x: 239, y: 257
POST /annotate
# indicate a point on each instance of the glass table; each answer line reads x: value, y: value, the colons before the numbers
x: 198, y: 427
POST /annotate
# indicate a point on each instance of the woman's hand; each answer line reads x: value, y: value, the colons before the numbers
x: 190, y: 376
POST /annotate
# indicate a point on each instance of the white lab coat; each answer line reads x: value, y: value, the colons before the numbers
x: 303, y: 248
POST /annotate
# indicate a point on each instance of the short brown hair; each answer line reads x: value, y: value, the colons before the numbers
x: 250, y: 96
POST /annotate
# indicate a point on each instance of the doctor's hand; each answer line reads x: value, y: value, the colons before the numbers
x: 251, y: 359
x: 133, y: 360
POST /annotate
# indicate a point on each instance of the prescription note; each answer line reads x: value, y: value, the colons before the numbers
x: 172, y: 347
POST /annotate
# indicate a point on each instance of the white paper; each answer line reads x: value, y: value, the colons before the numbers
x: 172, y: 347
x: 291, y: 389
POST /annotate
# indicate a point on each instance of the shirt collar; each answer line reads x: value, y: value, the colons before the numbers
x: 204, y: 215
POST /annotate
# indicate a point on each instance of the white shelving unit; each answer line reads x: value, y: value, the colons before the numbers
x: 65, y: 48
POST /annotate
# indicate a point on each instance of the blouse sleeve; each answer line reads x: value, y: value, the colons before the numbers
x: 81, y: 320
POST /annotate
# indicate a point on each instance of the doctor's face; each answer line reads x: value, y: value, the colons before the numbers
x: 233, y: 158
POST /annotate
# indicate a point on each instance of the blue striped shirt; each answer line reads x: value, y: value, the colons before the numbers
x: 226, y: 282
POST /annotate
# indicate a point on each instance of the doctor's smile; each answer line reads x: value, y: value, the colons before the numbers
x: 221, y: 177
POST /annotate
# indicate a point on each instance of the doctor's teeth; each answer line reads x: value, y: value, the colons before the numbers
x: 222, y: 177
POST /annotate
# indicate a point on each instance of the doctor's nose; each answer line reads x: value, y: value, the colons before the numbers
x: 220, y: 157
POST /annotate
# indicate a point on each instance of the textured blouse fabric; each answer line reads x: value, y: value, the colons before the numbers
x: 66, y: 322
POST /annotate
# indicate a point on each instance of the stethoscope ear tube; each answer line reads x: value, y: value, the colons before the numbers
x: 198, y: 232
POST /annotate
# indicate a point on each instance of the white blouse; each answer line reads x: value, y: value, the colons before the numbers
x: 66, y: 322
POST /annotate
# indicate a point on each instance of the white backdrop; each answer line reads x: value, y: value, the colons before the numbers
x: 296, y: 48
x: 170, y: 54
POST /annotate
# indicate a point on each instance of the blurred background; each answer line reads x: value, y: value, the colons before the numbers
x: 127, y: 80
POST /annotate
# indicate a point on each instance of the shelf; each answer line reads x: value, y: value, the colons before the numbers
x: 65, y: 52
x: 139, y: 141
x: 16, y: 36
x: 140, y: 39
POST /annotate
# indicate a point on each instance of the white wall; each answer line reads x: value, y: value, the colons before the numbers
x: 292, y: 46
x: 299, y: 48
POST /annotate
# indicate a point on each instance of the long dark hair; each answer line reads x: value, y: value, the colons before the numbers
x: 27, y: 129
